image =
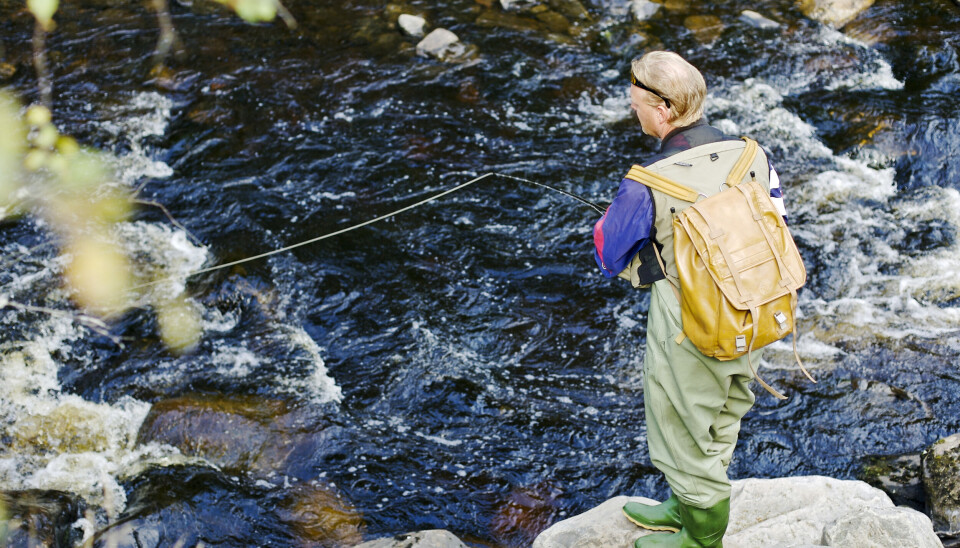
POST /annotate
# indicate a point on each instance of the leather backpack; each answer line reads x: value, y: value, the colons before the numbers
x: 739, y: 269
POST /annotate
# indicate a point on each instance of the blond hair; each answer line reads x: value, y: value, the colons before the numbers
x: 677, y: 80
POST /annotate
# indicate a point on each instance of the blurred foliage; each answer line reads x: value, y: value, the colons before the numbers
x: 72, y: 188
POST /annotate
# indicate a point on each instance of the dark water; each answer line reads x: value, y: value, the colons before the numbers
x: 463, y: 365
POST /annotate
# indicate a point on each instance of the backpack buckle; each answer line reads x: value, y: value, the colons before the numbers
x: 741, y: 341
x: 781, y: 320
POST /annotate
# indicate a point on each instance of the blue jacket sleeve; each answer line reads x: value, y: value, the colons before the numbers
x: 624, y: 228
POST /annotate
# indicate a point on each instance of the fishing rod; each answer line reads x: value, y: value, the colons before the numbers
x: 437, y: 196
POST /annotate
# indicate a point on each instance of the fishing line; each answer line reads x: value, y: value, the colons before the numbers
x: 371, y: 221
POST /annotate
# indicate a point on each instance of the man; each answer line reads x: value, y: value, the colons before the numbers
x: 693, y: 403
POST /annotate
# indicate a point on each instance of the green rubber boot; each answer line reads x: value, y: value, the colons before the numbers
x: 661, y: 517
x: 699, y: 528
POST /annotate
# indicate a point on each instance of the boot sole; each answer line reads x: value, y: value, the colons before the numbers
x: 652, y: 527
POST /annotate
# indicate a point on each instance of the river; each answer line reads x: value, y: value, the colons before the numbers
x: 462, y: 365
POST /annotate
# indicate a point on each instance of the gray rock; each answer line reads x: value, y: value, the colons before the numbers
x: 412, y: 24
x: 600, y: 527
x: 434, y: 538
x: 644, y: 9
x: 836, y: 13
x: 941, y: 480
x: 770, y: 513
x: 793, y: 511
x: 882, y: 528
x: 442, y: 44
x: 758, y: 20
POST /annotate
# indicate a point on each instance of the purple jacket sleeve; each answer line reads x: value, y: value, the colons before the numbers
x: 624, y: 228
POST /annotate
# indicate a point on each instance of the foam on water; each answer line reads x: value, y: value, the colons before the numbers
x: 61, y: 441
x: 853, y: 214
x: 143, y: 116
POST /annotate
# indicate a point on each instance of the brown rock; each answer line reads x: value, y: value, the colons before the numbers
x: 835, y: 13
x: 526, y: 513
x: 320, y: 515
x: 705, y: 28
x: 238, y: 434
x: 554, y: 21
x: 7, y: 71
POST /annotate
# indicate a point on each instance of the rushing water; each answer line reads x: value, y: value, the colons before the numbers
x: 463, y: 365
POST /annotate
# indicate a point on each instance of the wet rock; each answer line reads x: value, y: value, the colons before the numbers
x: 898, y: 476
x: 41, y: 518
x: 644, y: 9
x: 835, y: 13
x: 518, y: 5
x: 882, y: 527
x: 442, y: 44
x: 7, y: 71
x: 705, y: 28
x: 528, y: 511
x: 238, y: 435
x: 320, y: 515
x: 553, y: 21
x: 571, y: 9
x: 941, y: 479
x: 600, y: 527
x: 434, y: 538
x: 507, y: 21
x: 758, y: 20
x: 486, y: 3
x: 677, y: 5
x: 412, y: 24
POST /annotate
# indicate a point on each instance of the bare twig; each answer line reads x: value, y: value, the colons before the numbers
x: 285, y: 14
x: 40, y: 65
x: 94, y: 324
x: 168, y: 36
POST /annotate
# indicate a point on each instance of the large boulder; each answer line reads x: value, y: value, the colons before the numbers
x: 941, y: 480
x: 783, y: 512
x: 835, y: 13
x: 898, y: 526
x: 794, y: 511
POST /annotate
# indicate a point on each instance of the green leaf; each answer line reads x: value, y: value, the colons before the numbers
x: 43, y: 10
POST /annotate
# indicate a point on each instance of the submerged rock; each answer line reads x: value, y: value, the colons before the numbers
x: 320, y: 515
x: 705, y: 28
x: 433, y: 538
x: 758, y: 20
x: 836, y: 13
x: 941, y: 479
x: 40, y: 518
x: 238, y: 434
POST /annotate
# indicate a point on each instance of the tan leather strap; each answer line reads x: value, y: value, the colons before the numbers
x: 793, y: 304
x: 656, y: 181
x: 739, y: 170
x: 754, y: 316
x: 679, y: 191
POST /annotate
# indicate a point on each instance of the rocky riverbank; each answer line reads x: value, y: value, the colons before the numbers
x: 784, y: 512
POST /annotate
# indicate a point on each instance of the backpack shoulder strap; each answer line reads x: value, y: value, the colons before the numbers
x: 740, y: 168
x: 679, y: 191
